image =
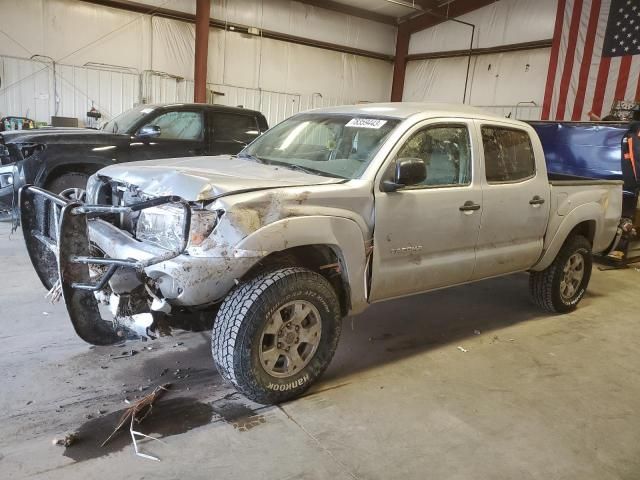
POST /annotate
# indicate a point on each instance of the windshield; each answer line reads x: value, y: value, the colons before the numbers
x: 325, y: 144
x: 125, y: 121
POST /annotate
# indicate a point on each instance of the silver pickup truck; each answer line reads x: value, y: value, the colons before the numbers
x: 323, y: 215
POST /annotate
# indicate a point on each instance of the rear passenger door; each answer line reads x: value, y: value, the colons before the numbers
x: 231, y: 132
x: 515, y: 200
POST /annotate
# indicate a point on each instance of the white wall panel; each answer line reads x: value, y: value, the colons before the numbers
x: 28, y: 89
x: 501, y: 23
x: 295, y: 18
x: 502, y: 80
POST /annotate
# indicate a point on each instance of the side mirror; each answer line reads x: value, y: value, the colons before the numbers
x: 409, y: 171
x: 149, y: 131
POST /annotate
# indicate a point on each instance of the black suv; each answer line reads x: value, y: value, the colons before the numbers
x: 63, y: 158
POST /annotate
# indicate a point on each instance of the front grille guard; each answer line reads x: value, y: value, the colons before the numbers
x: 56, y: 234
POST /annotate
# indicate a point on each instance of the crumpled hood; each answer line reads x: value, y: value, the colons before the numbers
x: 202, y: 178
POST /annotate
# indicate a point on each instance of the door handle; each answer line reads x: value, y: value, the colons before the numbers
x: 469, y: 206
x: 537, y: 200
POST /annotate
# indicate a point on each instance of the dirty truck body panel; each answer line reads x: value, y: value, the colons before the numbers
x: 374, y: 202
x: 422, y: 240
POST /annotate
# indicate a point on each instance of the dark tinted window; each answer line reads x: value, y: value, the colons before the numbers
x: 234, y: 127
x: 508, y: 155
x: 445, y: 150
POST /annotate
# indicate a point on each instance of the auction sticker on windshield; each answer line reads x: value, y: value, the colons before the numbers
x: 366, y: 123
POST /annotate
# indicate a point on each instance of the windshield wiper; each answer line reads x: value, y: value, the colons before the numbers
x: 248, y: 156
x: 299, y: 168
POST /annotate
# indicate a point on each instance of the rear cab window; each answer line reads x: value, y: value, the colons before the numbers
x: 234, y: 127
x: 508, y: 155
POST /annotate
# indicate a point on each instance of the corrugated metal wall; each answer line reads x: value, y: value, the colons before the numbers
x: 28, y: 89
x: 158, y: 87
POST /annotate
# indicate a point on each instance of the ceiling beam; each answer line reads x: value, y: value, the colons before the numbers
x: 350, y: 10
x: 137, y: 7
x: 434, y: 16
x: 513, y: 47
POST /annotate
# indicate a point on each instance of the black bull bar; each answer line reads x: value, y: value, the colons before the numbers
x: 56, y: 233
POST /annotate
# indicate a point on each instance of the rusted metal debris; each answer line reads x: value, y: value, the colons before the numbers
x: 136, y: 413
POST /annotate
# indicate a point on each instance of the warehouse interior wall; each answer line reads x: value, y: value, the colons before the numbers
x: 100, y: 52
x: 500, y: 82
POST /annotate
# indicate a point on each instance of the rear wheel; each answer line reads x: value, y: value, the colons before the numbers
x: 276, y: 334
x: 560, y: 287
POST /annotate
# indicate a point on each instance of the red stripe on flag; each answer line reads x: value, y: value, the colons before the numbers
x: 601, y: 85
x: 569, y: 57
x: 623, y: 77
x: 638, y: 89
x: 553, y: 61
x: 585, y: 66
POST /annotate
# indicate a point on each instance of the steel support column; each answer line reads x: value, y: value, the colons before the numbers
x: 400, y: 63
x: 202, y: 51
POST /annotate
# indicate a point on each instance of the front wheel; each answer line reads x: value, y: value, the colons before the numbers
x: 276, y: 334
x: 560, y: 287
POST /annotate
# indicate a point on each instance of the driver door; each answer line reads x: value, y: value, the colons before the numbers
x: 426, y: 234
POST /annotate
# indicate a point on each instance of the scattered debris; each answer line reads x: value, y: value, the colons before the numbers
x: 45, y: 313
x: 476, y: 332
x: 55, y: 294
x: 29, y: 402
x: 178, y: 344
x: 126, y: 354
x: 68, y: 440
x: 462, y: 349
x: 136, y: 413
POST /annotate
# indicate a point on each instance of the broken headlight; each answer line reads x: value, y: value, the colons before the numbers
x: 164, y: 226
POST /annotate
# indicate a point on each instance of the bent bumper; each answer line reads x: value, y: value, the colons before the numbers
x: 183, y: 280
x: 61, y: 236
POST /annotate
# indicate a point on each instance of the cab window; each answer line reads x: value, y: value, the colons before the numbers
x: 242, y: 129
x: 180, y: 125
x: 508, y: 155
x: 446, y: 151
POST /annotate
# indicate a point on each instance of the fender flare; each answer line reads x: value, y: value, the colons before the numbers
x: 342, y: 235
x: 588, y: 212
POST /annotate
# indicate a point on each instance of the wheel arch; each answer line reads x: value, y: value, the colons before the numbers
x: 331, y: 246
x: 87, y: 168
x: 583, y: 220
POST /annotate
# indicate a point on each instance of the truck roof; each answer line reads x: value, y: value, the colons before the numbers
x: 208, y: 106
x: 407, y: 109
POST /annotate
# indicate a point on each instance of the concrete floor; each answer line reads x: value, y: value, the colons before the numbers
x: 534, y: 396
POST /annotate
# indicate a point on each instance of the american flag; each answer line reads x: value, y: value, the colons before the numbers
x: 595, y: 58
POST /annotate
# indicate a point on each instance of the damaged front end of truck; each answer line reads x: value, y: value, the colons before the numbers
x: 90, y: 256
